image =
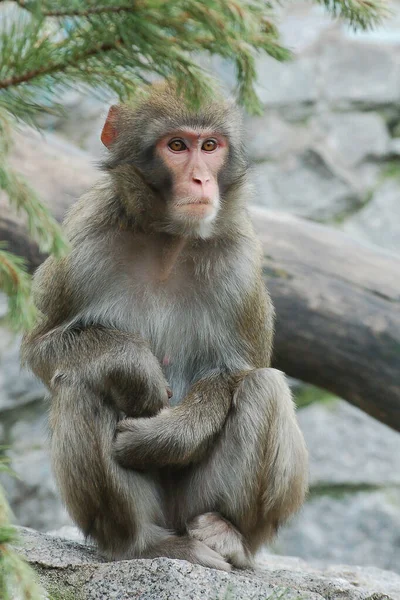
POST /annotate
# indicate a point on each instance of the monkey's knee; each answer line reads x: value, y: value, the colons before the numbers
x: 284, y: 473
x: 267, y: 391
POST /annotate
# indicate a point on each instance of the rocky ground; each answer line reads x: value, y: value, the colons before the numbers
x: 327, y: 148
x: 73, y: 571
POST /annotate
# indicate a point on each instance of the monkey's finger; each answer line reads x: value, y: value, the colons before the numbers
x: 169, y: 392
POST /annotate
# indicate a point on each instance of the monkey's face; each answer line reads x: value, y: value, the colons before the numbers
x: 194, y: 160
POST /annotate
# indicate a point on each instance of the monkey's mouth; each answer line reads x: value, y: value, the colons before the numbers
x: 195, y: 202
x: 198, y: 209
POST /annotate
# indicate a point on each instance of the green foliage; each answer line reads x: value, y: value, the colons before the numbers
x: 16, y: 283
x: 17, y: 579
x: 359, y: 13
x: 309, y: 394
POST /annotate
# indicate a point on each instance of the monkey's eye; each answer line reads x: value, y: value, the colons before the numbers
x: 177, y: 145
x: 209, y: 145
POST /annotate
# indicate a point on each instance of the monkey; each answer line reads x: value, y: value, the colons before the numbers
x: 171, y: 434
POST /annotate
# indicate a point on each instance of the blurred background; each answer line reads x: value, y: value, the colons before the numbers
x: 327, y: 148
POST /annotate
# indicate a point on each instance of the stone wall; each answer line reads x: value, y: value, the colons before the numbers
x: 327, y: 148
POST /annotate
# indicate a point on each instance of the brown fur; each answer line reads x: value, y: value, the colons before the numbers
x: 138, y: 304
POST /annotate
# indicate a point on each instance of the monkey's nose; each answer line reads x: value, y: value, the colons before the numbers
x: 200, y: 180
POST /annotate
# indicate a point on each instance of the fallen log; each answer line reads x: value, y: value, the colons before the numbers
x: 337, y: 301
x: 338, y: 311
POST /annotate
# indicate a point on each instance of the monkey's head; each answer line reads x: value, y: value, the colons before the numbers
x: 190, y: 159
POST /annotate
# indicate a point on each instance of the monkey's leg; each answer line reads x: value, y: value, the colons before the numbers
x: 256, y: 473
x: 121, y: 510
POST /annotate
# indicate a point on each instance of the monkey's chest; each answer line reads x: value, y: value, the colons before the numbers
x: 189, y: 319
x: 190, y: 333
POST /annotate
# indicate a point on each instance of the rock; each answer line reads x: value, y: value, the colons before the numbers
x: 305, y: 186
x: 68, y: 532
x: 356, y: 528
x: 3, y: 305
x: 269, y: 137
x: 302, y: 24
x: 77, y: 569
x: 288, y: 83
x: 18, y: 386
x: 348, y: 447
x: 32, y: 492
x: 352, y: 137
x: 379, y: 221
x: 349, y: 72
x: 353, y: 513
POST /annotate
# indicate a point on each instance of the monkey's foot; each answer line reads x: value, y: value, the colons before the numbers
x: 190, y: 549
x: 220, y: 535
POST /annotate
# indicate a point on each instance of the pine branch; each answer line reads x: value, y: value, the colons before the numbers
x: 76, y: 12
x: 147, y: 36
x: 363, y: 14
x: 59, y: 67
x: 16, y: 283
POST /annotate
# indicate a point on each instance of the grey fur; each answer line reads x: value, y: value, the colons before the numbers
x: 113, y: 337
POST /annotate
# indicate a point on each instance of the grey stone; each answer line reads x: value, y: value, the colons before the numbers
x: 368, y: 176
x: 305, y: 186
x: 32, y: 492
x: 301, y: 25
x: 269, y: 137
x: 349, y: 448
x: 356, y: 528
x: 360, y: 73
x: 68, y: 532
x: 83, y: 124
x: 395, y: 146
x: 17, y: 385
x: 3, y: 306
x: 352, y: 137
x: 353, y: 514
x: 379, y: 221
x: 77, y: 568
x: 287, y: 83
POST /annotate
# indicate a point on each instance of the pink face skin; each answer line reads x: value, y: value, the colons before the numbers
x: 194, y: 158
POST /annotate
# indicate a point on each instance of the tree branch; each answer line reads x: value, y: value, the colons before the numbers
x: 94, y: 10
x: 60, y: 66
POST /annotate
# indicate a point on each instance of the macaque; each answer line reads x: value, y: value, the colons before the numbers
x: 171, y: 435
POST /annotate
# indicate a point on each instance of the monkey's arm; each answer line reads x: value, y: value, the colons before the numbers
x: 111, y: 362
x: 115, y: 364
x: 178, y: 435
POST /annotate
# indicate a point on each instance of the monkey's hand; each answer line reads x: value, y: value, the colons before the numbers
x: 144, y: 443
x: 138, y: 385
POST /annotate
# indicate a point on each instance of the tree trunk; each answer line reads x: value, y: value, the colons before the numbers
x: 338, y: 311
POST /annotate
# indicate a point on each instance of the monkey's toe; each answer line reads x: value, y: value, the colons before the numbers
x: 208, y: 557
x: 220, y: 535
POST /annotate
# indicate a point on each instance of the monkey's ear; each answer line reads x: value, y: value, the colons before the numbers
x: 110, y: 133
